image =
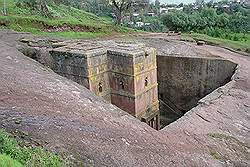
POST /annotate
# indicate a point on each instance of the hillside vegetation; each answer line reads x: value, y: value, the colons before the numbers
x: 63, y: 21
x: 224, y: 28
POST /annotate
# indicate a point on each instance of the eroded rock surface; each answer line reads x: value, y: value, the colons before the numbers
x: 49, y: 110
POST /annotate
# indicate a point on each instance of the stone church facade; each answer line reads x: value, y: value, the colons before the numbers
x: 123, y: 73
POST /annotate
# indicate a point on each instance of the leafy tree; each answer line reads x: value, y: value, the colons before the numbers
x: 239, y: 23
x: 4, y: 7
x: 207, y: 21
x: 157, y: 6
x: 120, y: 7
x: 200, y: 2
x: 176, y: 21
x: 123, y: 6
x: 210, y: 16
x: 188, y: 9
x: 193, y: 22
x: 223, y: 20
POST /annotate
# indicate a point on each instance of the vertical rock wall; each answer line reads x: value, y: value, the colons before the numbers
x: 184, y: 80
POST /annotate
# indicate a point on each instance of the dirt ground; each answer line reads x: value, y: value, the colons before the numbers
x: 46, y: 109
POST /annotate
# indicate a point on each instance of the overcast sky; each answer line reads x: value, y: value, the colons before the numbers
x: 180, y: 1
x: 176, y: 1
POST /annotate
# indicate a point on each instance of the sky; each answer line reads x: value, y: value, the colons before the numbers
x: 177, y: 1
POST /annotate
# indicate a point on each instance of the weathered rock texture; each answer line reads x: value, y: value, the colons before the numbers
x: 124, y: 74
x: 183, y: 81
x: 185, y: 74
x: 65, y: 117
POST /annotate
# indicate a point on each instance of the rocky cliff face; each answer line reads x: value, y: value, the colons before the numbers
x: 183, y: 81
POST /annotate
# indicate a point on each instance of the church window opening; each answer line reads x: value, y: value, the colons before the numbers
x: 122, y: 86
x: 100, y: 87
x: 146, y: 81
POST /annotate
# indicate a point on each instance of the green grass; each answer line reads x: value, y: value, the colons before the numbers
x: 27, y: 20
x: 236, y: 45
x: 75, y: 35
x: 7, y: 161
x: 17, y: 153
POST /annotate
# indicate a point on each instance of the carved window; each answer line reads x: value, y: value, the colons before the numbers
x: 122, y: 86
x: 146, y: 81
x: 100, y: 87
x: 143, y: 120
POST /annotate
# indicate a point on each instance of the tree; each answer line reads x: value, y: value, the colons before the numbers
x: 223, y: 20
x: 200, y: 2
x: 157, y: 6
x: 210, y: 3
x: 210, y: 16
x: 4, y: 7
x: 176, y: 21
x: 239, y: 23
x: 121, y: 6
x: 157, y: 3
x: 192, y: 19
x: 180, y: 5
x: 188, y: 8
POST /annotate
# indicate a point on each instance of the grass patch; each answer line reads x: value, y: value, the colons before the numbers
x: 76, y: 35
x: 7, y: 161
x: 78, y: 23
x: 187, y: 38
x: 15, y: 152
x: 236, y: 45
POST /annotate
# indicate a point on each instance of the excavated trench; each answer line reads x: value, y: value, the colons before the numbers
x: 183, y: 81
